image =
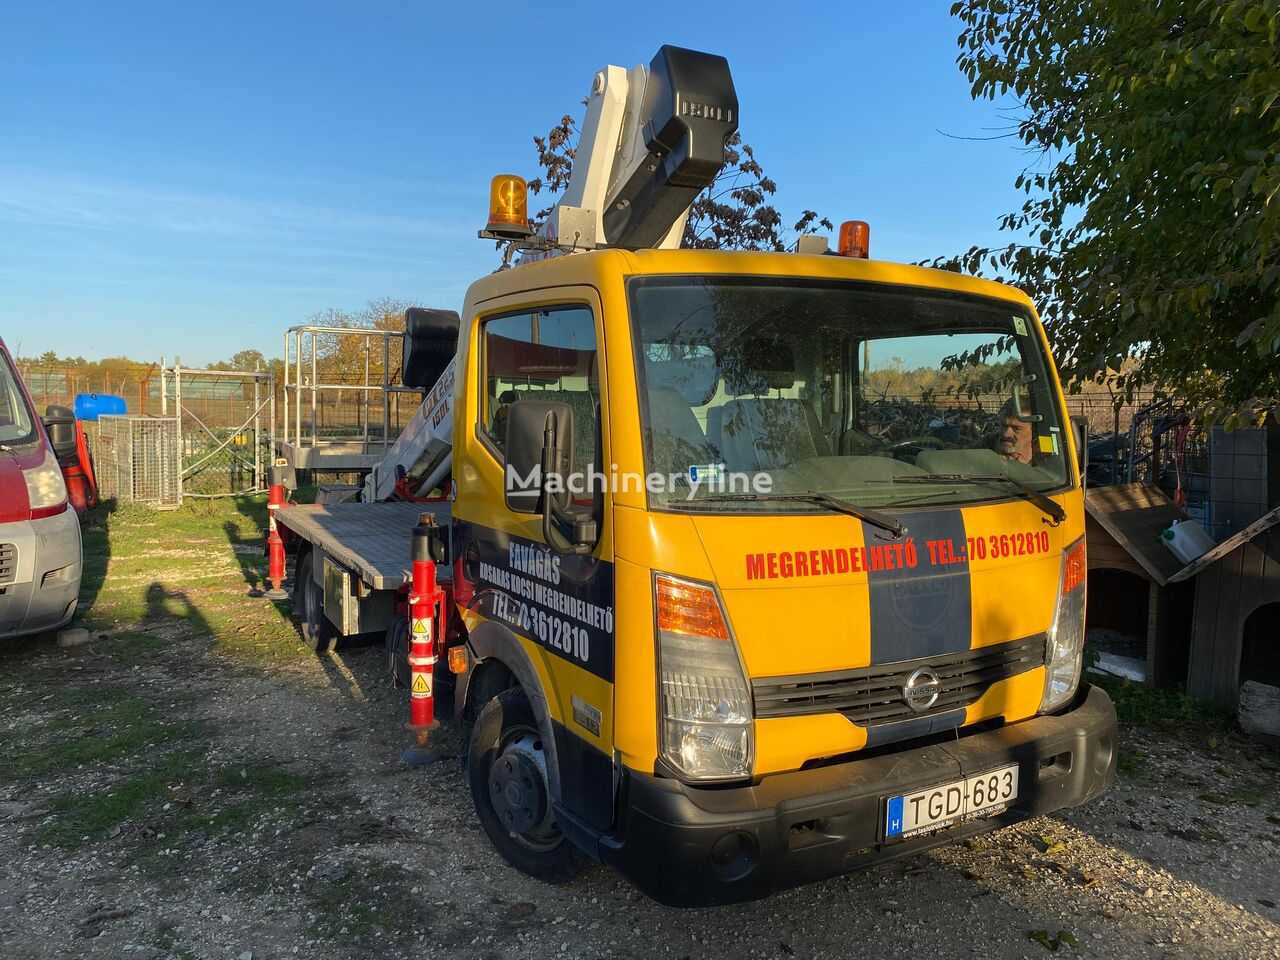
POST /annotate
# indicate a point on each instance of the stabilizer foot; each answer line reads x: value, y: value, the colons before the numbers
x: 416, y: 756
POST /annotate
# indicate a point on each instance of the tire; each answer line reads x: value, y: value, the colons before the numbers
x: 317, y: 632
x: 505, y: 761
x: 397, y: 643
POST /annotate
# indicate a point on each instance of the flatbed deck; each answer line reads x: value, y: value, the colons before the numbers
x: 371, y: 539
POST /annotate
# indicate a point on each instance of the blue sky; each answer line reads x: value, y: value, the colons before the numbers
x: 183, y: 179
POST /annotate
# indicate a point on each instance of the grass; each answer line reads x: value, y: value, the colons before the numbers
x: 98, y: 727
x: 371, y: 899
x: 77, y: 817
x: 193, y: 567
x: 153, y: 581
x: 1141, y: 705
x: 219, y: 802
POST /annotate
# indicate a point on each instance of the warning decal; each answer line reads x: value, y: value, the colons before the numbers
x: 421, y: 684
x: 420, y: 625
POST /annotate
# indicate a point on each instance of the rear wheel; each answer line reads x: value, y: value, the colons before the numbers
x: 507, y: 768
x: 308, y: 597
x: 397, y: 642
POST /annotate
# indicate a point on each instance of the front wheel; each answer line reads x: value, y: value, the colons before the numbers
x: 507, y: 768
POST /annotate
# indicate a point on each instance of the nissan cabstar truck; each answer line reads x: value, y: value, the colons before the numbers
x: 761, y: 567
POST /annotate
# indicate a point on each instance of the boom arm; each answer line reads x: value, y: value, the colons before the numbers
x: 652, y: 139
x: 424, y: 448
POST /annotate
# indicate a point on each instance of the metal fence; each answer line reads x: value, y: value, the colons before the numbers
x: 137, y: 460
x: 227, y: 420
x: 60, y: 384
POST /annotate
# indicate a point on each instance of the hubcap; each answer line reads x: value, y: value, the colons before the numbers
x: 518, y: 791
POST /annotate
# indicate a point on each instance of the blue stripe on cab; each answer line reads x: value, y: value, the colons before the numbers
x: 921, y: 609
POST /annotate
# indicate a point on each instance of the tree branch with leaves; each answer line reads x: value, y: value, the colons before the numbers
x: 1150, y: 232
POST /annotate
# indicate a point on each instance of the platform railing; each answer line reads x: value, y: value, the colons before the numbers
x: 306, y: 383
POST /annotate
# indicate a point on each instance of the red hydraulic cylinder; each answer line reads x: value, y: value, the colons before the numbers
x: 426, y: 622
x: 275, y: 545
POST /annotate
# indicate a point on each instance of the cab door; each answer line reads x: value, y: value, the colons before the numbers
x: 547, y: 616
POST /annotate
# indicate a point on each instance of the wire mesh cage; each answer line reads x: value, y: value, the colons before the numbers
x: 137, y: 460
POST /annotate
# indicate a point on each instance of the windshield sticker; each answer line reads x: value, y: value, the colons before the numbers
x: 1049, y: 444
x: 705, y: 473
x: 1020, y: 326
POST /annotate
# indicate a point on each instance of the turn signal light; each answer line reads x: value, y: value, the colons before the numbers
x: 1073, y: 567
x: 458, y: 659
x: 690, y: 609
x: 508, y: 205
x: 855, y: 239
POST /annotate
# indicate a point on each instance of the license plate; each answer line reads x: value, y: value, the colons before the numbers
x: 947, y: 804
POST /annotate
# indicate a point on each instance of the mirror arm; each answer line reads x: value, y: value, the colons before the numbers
x: 1081, y: 424
x: 556, y: 540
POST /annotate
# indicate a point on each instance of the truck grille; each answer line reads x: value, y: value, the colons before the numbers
x: 873, y: 695
x: 8, y: 562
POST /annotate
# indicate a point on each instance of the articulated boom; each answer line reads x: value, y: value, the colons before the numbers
x: 652, y: 139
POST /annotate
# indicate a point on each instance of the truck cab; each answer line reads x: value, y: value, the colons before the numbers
x: 770, y: 566
x: 40, y: 554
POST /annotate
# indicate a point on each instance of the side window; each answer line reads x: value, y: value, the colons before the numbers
x: 547, y: 354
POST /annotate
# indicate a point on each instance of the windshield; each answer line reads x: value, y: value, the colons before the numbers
x: 787, y: 386
x: 16, y: 423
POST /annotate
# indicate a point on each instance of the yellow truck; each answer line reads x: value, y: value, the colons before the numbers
x: 737, y: 602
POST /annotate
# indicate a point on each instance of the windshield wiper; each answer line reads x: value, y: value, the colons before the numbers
x: 1052, y: 510
x: 872, y: 517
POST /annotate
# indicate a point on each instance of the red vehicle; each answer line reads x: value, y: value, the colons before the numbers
x: 40, y: 552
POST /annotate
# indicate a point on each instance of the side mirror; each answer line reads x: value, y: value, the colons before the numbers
x: 528, y: 424
x: 60, y: 424
x: 539, y: 454
x: 1080, y: 427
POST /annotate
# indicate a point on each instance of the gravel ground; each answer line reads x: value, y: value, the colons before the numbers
x: 160, y: 798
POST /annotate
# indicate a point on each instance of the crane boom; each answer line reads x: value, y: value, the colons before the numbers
x: 653, y: 138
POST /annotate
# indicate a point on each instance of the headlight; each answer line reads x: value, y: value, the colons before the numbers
x: 1065, y: 648
x: 705, y: 703
x: 46, y: 491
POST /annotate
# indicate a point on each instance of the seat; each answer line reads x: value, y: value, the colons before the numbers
x: 675, y: 437
x: 766, y: 433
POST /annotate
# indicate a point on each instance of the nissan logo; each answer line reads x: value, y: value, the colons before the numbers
x: 922, y: 689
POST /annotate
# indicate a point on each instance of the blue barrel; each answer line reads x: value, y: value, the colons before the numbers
x: 91, y: 406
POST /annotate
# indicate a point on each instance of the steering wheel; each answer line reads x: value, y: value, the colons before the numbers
x: 935, y: 443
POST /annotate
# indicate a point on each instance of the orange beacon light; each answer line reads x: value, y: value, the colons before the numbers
x: 508, y: 206
x: 855, y: 239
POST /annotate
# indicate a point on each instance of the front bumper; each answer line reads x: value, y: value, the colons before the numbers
x: 46, y: 583
x: 686, y: 846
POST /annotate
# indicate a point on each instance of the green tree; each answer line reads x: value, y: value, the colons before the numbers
x: 346, y: 358
x: 1150, y: 227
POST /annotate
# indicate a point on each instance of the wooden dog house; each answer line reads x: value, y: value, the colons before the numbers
x: 1235, y: 636
x: 1131, y: 574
